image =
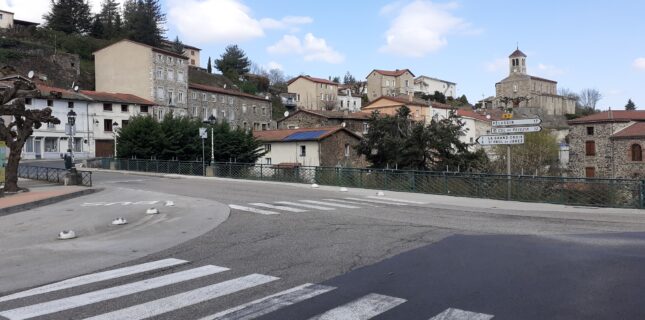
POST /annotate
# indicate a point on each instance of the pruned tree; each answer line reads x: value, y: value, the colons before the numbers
x: 13, y: 91
x: 630, y: 105
x: 589, y: 98
x: 233, y: 63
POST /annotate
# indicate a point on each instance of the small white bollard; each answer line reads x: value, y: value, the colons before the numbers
x: 343, y: 189
x: 152, y: 211
x: 66, y: 234
x: 315, y: 186
x: 119, y: 221
x: 380, y: 193
x: 170, y: 203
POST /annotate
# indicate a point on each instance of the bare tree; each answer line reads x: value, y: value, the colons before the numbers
x: 13, y: 91
x: 329, y: 105
x: 276, y: 76
x: 589, y: 98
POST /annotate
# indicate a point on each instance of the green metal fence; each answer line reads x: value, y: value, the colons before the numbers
x: 623, y: 193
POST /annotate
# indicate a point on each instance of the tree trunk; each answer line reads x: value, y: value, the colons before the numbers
x: 11, y: 171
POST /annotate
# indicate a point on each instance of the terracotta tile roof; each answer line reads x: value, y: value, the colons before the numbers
x: 302, y: 134
x: 472, y: 114
x: 332, y: 114
x: 612, y: 116
x: 312, y: 79
x: 636, y: 130
x: 400, y: 100
x: 117, y: 97
x: 60, y: 93
x: 517, y: 53
x: 440, y: 105
x: 394, y: 73
x: 160, y: 50
x: 224, y: 91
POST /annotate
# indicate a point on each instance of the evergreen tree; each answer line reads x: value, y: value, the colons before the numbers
x: 69, y: 16
x: 110, y: 18
x: 177, y: 46
x: 233, y: 63
x: 463, y: 99
x: 144, y: 21
x: 209, y: 66
x: 630, y: 105
x: 97, y: 30
x: 141, y: 138
x: 336, y: 79
x: 349, y: 78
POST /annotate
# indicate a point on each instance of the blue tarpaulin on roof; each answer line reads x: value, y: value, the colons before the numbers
x: 307, y: 135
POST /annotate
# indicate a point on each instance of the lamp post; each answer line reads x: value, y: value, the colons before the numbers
x: 70, y: 128
x: 115, y: 127
x: 211, y: 121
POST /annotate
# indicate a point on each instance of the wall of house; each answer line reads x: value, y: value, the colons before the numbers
x: 238, y: 111
x: 429, y: 86
x: 384, y: 106
x: 349, y: 103
x: 6, y: 20
x: 289, y: 152
x: 125, y: 67
x: 605, y: 158
x: 626, y: 168
x: 332, y: 151
x: 307, y: 120
x: 309, y: 94
x: 381, y: 85
x: 170, y: 80
x: 193, y: 57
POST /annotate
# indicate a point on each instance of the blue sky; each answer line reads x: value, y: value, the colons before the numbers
x: 580, y: 44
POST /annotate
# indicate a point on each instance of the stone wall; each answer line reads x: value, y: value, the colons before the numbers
x: 239, y: 111
x: 307, y: 120
x: 626, y: 168
x: 602, y: 160
x: 332, y: 151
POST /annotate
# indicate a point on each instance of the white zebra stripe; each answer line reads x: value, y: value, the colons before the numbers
x: 283, y: 208
x: 95, y: 277
x: 457, y: 314
x: 253, y: 210
x: 396, y: 200
x: 178, y: 301
x: 331, y: 204
x: 271, y: 303
x: 353, y: 202
x: 109, y: 293
x: 310, y: 206
x: 363, y: 308
x: 378, y: 201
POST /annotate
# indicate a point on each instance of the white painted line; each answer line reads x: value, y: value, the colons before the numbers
x: 396, y: 200
x: 457, y: 314
x: 178, y: 301
x: 354, y: 202
x: 271, y: 303
x: 310, y: 206
x: 363, y: 308
x: 378, y: 201
x: 109, y: 293
x: 95, y: 277
x: 283, y: 208
x: 253, y: 210
x: 331, y: 204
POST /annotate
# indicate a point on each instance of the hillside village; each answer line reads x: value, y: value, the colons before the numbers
x: 307, y: 120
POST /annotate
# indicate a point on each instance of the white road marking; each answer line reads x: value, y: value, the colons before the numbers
x: 353, y: 202
x: 378, y: 201
x: 271, y: 303
x: 457, y: 314
x: 253, y: 210
x: 363, y: 308
x: 178, y: 301
x: 310, y: 206
x: 95, y: 277
x: 283, y: 208
x: 397, y: 200
x: 123, y: 203
x: 331, y: 204
x: 109, y: 293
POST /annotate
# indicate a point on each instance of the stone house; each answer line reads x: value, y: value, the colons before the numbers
x: 419, y: 109
x: 542, y: 93
x: 190, y: 52
x: 313, y: 93
x: 348, y: 101
x: 428, y: 85
x: 389, y: 83
x: 239, y: 109
x: 354, y: 121
x: 151, y: 73
x: 608, y: 144
x: 325, y: 147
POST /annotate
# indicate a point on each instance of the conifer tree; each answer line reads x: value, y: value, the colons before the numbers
x: 233, y: 63
x: 144, y: 21
x: 630, y: 105
x: 69, y: 16
x: 209, y: 66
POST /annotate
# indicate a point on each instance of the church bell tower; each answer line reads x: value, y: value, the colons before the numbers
x: 517, y: 62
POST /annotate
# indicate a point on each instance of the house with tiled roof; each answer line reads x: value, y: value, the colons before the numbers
x: 324, y: 146
x: 354, y: 121
x: 419, y: 109
x: 429, y: 85
x: 389, y: 83
x: 313, y: 93
x: 608, y: 144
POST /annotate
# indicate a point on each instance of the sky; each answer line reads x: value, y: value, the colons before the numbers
x: 580, y: 44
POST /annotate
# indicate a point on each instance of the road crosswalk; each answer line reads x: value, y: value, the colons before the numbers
x: 361, y: 308
x: 305, y: 205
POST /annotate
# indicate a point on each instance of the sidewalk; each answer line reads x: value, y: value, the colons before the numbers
x: 41, y: 195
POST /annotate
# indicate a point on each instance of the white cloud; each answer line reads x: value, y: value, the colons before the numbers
x: 390, y: 8
x: 32, y: 10
x: 497, y: 65
x: 639, y: 63
x: 421, y: 27
x: 286, y: 22
x: 549, y: 70
x: 274, y: 65
x: 310, y: 48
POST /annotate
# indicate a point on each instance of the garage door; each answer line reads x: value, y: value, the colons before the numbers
x: 104, y: 148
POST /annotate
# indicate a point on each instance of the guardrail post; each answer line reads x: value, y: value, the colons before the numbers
x: 642, y: 194
x: 261, y: 171
x: 445, y: 183
x: 413, y: 181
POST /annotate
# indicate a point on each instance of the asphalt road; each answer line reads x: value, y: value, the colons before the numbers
x: 398, y: 256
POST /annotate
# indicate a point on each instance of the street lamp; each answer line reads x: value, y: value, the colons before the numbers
x: 115, y: 127
x: 211, y: 121
x: 71, y: 121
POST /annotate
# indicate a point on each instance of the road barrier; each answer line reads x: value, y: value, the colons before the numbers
x: 56, y: 175
x: 620, y: 193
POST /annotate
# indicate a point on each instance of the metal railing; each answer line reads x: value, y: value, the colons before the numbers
x: 623, y: 193
x: 55, y: 175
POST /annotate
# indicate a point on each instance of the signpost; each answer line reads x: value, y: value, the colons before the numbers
x: 521, y: 122
x: 203, y: 134
x: 516, y: 129
x: 501, y: 139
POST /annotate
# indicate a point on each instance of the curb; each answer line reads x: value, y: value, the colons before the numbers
x: 48, y: 201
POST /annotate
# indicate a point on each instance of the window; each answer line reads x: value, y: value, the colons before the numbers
x: 195, y: 111
x: 341, y: 103
x: 222, y: 99
x: 204, y: 97
x: 180, y: 97
x: 171, y: 97
x: 192, y: 52
x: 51, y: 144
x: 204, y: 113
x: 70, y: 104
x: 124, y: 123
x: 268, y: 160
x: 243, y: 108
x: 193, y: 95
x: 590, y: 148
x: 590, y: 131
x: 124, y: 108
x: 264, y: 126
x: 231, y: 100
x: 29, y: 145
x: 169, y: 60
x: 255, y: 110
x: 107, y: 125
x: 107, y: 107
x: 192, y: 62
x: 407, y: 83
x: 264, y: 111
x: 50, y: 103
x: 159, y: 73
x: 28, y: 101
x: 245, y: 125
x: 637, y: 152
x: 160, y: 93
x: 347, y: 150
x: 366, y: 127
x: 50, y: 125
x: 267, y: 147
x: 143, y: 109
x: 303, y: 151
x: 322, y: 96
x: 171, y: 74
x: 159, y: 58
x: 590, y: 172
x: 78, y: 145
x: 180, y: 76
x: 223, y: 114
x: 214, y: 97
x: 1, y: 16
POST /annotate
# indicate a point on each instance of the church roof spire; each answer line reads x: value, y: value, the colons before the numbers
x: 517, y: 53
